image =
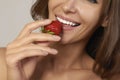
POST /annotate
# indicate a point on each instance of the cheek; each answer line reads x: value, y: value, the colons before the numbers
x: 50, y: 7
x: 90, y: 17
x: 52, y: 4
x: 88, y: 26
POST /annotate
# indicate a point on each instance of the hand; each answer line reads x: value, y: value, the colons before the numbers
x: 23, y: 52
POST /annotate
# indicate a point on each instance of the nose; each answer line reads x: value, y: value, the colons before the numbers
x: 69, y: 6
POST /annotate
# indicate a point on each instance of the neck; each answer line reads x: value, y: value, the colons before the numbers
x: 69, y: 55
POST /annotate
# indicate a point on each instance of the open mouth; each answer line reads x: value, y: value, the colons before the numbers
x: 67, y: 22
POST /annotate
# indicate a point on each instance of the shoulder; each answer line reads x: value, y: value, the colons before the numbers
x: 83, y: 75
x: 3, y: 68
x: 2, y: 50
x: 2, y: 54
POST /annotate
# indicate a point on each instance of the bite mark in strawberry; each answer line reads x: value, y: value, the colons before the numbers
x: 54, y: 28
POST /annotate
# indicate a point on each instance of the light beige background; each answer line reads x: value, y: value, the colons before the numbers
x: 14, y: 14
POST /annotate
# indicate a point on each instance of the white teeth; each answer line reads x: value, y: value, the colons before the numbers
x: 66, y: 22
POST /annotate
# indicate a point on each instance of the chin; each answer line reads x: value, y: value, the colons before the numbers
x: 66, y: 41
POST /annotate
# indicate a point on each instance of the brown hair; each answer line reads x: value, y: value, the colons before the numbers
x: 108, y: 54
x: 40, y: 9
x: 108, y: 50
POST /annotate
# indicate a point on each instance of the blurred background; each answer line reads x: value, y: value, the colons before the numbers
x: 14, y: 14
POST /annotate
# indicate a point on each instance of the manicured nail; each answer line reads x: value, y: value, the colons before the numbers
x: 48, y: 20
x: 45, y: 53
x: 56, y: 37
x: 54, y: 51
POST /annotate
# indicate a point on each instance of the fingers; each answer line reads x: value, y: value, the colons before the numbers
x: 24, y: 46
x: 32, y: 47
x: 13, y: 56
x: 12, y: 60
x: 34, y: 37
x: 32, y: 26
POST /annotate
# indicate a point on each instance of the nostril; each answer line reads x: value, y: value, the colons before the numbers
x: 69, y: 7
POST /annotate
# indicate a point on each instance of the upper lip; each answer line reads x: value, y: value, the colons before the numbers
x: 68, y: 19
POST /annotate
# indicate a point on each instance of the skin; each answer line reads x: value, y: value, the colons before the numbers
x: 71, y: 60
x: 73, y: 45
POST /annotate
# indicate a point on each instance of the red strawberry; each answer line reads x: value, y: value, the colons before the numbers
x: 54, y: 28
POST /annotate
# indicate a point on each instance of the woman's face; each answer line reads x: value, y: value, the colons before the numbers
x: 80, y: 18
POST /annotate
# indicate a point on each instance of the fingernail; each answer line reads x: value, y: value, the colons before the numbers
x: 45, y: 53
x: 56, y: 37
x: 48, y: 20
x: 54, y: 51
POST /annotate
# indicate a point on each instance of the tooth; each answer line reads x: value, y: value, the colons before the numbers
x: 67, y: 22
x: 62, y: 20
x: 71, y: 23
x: 74, y: 24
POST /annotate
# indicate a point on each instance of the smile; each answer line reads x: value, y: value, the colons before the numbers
x: 67, y: 22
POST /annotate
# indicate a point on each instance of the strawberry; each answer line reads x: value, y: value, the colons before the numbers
x: 54, y: 28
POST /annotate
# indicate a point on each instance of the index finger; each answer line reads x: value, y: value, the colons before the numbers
x: 32, y: 26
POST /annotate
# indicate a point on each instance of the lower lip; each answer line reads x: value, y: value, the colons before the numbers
x: 68, y: 27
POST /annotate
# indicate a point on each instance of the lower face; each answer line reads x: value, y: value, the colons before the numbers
x: 80, y: 18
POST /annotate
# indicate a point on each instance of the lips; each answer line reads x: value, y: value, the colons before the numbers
x: 66, y: 21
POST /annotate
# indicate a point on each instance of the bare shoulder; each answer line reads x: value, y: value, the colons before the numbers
x: 83, y: 75
x: 2, y: 55
x: 2, y: 51
x: 3, y: 68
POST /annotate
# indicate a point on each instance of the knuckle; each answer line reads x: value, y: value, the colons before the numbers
x: 29, y: 53
x: 47, y: 35
x: 37, y: 36
x: 49, y: 49
x: 28, y: 26
x: 44, y: 52
x: 31, y: 37
x: 36, y: 53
